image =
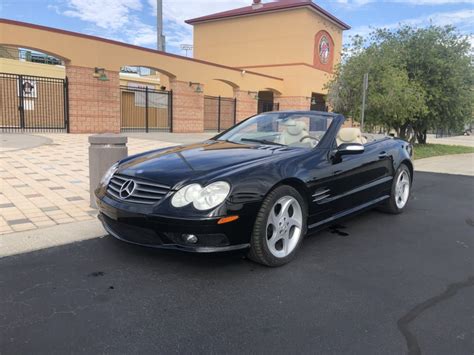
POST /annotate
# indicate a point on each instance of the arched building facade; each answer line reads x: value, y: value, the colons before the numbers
x: 285, y: 50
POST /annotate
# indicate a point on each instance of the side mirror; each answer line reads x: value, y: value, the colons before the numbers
x: 349, y: 149
x: 346, y: 149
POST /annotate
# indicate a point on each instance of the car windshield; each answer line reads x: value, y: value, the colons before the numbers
x: 303, y: 130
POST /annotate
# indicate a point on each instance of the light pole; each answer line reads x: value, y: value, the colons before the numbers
x: 365, y: 86
x: 186, y: 48
x: 160, y: 41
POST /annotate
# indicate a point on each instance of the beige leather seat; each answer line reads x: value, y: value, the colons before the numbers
x: 293, y: 132
x: 350, y: 135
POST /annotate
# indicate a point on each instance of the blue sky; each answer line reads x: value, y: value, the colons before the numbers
x: 133, y: 21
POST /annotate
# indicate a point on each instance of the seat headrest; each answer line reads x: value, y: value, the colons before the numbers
x: 295, y: 128
x: 349, y: 135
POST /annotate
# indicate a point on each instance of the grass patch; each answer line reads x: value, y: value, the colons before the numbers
x: 433, y: 150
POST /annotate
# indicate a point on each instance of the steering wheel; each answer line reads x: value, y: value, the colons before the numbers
x: 316, y: 140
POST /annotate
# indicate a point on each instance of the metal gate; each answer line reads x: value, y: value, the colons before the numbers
x: 143, y: 109
x: 219, y: 113
x: 33, y: 103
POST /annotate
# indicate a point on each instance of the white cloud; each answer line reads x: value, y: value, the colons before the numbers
x: 107, y: 14
x: 181, y: 10
x: 121, y: 19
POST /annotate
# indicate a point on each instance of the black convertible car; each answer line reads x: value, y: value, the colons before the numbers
x: 261, y: 185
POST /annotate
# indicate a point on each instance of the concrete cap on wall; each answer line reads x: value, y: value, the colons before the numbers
x: 108, y: 138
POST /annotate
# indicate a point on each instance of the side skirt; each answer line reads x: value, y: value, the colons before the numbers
x: 348, y: 212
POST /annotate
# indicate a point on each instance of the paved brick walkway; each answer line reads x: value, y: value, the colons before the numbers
x: 49, y: 184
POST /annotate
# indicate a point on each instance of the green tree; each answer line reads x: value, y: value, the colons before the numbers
x: 419, y: 77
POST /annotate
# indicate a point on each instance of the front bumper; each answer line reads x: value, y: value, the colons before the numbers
x: 169, y: 233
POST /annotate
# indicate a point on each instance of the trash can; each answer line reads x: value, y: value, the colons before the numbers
x: 104, y: 151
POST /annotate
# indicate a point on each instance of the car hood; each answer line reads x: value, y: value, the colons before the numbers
x: 189, y: 162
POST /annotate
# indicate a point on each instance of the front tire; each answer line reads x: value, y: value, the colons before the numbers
x: 279, y: 227
x: 400, y: 193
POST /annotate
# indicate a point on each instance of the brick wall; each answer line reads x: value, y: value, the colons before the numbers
x: 94, y: 105
x: 293, y: 103
x: 188, y: 107
x: 246, y: 105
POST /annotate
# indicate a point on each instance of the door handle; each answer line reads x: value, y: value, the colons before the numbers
x: 383, y: 155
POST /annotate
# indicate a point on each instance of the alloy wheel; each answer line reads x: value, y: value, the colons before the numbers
x: 284, y: 226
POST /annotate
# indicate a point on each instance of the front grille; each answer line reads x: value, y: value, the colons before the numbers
x: 145, y: 192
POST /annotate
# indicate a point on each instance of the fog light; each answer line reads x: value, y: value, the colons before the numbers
x: 190, y: 238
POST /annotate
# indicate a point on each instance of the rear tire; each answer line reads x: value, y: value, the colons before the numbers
x: 279, y: 227
x: 400, y: 193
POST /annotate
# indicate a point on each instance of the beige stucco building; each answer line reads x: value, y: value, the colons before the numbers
x: 295, y: 40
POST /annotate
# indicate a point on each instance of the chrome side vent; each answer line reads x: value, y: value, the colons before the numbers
x: 130, y: 189
x: 321, y: 195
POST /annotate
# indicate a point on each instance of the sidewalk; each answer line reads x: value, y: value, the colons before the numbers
x: 47, y: 182
x: 458, y: 164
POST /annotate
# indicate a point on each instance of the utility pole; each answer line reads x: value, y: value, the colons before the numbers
x: 161, y: 40
x: 365, y: 86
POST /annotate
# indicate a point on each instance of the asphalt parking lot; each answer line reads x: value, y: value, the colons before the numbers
x: 375, y: 284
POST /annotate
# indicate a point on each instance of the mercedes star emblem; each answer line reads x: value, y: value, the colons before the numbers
x: 127, y: 189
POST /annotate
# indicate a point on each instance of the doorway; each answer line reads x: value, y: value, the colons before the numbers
x: 266, y: 103
x: 318, y: 102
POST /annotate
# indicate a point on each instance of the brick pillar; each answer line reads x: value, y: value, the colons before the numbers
x: 94, y: 105
x: 188, y: 107
x: 299, y: 103
x: 246, y: 105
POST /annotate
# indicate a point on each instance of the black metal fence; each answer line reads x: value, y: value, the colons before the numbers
x: 33, y: 103
x: 219, y: 113
x: 144, y: 109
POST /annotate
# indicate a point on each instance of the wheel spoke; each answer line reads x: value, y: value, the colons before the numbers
x: 294, y: 222
x: 273, y: 219
x: 285, y: 207
x: 272, y: 241
x: 286, y: 243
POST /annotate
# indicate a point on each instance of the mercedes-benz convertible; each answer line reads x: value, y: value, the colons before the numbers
x: 260, y: 186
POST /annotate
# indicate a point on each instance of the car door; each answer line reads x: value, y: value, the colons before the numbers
x: 361, y: 178
x: 357, y: 179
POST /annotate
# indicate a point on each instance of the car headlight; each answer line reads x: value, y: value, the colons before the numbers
x: 108, y: 175
x: 202, y: 198
x: 186, y: 195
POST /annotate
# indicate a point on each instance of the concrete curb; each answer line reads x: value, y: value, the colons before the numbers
x: 37, y: 239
